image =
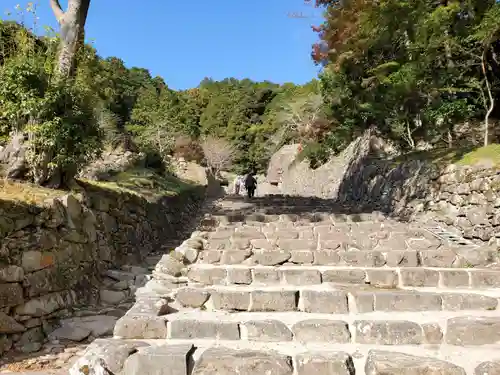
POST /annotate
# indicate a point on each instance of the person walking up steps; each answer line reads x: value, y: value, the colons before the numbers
x: 250, y: 184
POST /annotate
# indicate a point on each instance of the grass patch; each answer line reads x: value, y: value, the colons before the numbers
x: 489, y: 155
x: 441, y: 157
x: 145, y: 183
x: 142, y: 182
x: 25, y: 192
x: 438, y: 156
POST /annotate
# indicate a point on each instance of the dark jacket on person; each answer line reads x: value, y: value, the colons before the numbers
x: 250, y: 182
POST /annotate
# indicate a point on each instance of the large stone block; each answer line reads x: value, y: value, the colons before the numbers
x: 158, y: 360
x: 192, y: 297
x: 324, y: 363
x: 488, y: 368
x: 225, y: 361
x: 394, y: 363
x: 322, y: 330
x: 203, y: 329
x: 11, y: 294
x: 269, y: 300
x: 141, y: 327
x: 470, y: 330
x: 267, y: 330
x: 392, y: 332
x: 407, y: 301
x: 231, y: 300
x: 324, y: 301
x: 355, y: 276
x: 301, y: 276
x: 457, y: 301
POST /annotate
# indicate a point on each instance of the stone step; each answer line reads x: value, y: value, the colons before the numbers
x: 382, y: 277
x: 337, y: 299
x: 446, y: 258
x: 475, y: 328
x: 206, y: 357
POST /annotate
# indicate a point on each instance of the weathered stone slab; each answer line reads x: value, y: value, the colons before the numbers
x: 455, y: 278
x: 235, y: 256
x: 485, y: 279
x: 11, y: 294
x: 11, y: 274
x: 456, y: 301
x: 344, y: 276
x: 158, y: 360
x: 289, y: 245
x: 326, y: 302
x: 148, y: 305
x: 169, y: 264
x: 438, y: 258
x: 266, y: 276
x: 319, y: 330
x: 231, y: 300
x: 488, y: 368
x: 394, y: 363
x: 471, y: 330
x: 239, y: 276
x: 402, y: 258
x: 364, y: 301
x: 407, y: 301
x: 326, y: 257
x: 271, y: 257
x: 47, y: 304
x: 419, y: 277
x: 392, y: 332
x: 301, y: 277
x: 324, y: 363
x: 225, y: 361
x: 9, y: 324
x: 362, y: 258
x: 301, y: 256
x: 433, y: 333
x: 105, y: 354
x: 269, y: 300
x: 267, y: 330
x: 141, y: 327
x: 383, y: 278
x: 210, y: 257
x: 192, y: 297
x: 203, y: 329
x: 207, y: 276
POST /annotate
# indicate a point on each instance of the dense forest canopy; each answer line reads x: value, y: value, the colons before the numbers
x: 425, y: 73
x: 132, y: 109
x: 416, y: 69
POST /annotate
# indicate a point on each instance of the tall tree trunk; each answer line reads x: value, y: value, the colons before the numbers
x: 72, y: 24
x: 490, y: 96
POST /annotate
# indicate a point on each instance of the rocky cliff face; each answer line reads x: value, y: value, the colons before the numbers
x: 52, y: 255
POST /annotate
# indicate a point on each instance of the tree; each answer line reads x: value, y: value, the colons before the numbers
x: 72, y: 24
x: 219, y: 154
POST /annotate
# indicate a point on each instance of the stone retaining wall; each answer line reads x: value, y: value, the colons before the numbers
x: 463, y: 197
x: 53, y: 254
x: 364, y: 178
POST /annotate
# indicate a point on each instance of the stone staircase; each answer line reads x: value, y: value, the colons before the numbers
x: 285, y: 286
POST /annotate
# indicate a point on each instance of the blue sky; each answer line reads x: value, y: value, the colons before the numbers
x: 185, y: 41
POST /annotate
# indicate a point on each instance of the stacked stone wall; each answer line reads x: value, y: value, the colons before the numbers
x: 52, y: 255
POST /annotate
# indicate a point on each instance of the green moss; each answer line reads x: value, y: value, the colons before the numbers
x: 489, y: 154
x: 439, y: 156
x: 145, y: 183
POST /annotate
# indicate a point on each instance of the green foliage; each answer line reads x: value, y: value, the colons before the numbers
x: 60, y: 122
x: 66, y: 129
x: 412, y: 68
